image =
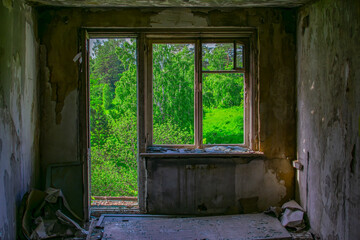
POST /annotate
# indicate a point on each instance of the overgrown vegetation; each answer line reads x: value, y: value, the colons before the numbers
x: 113, y: 107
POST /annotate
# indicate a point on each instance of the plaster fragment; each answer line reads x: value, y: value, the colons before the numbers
x: 77, y: 57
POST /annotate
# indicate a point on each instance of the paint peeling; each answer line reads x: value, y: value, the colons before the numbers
x: 18, y: 119
x: 177, y: 18
x: 172, y: 3
x: 329, y: 116
x: 60, y: 99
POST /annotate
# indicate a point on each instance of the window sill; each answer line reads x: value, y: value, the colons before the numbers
x: 208, y: 152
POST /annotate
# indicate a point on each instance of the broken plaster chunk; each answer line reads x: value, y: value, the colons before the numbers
x: 292, y: 219
x: 292, y: 205
x: 77, y: 57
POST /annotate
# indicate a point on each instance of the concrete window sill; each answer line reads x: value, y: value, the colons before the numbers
x: 208, y: 152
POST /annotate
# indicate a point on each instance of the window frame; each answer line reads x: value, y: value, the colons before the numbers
x: 144, y: 116
x: 198, y: 40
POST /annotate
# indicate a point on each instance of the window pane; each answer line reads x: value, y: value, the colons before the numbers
x: 173, y: 93
x: 217, y: 56
x: 239, y: 56
x: 223, y: 108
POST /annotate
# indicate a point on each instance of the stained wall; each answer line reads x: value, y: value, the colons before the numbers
x: 59, y: 28
x: 19, y: 108
x: 328, y: 102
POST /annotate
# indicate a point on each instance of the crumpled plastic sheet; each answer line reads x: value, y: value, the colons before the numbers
x: 293, y: 215
x: 43, y: 219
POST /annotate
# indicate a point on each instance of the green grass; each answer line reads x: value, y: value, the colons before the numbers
x: 223, y: 126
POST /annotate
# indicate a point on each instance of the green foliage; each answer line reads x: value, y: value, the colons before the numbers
x: 223, y: 125
x: 113, y: 107
x: 169, y: 133
x: 223, y: 90
x: 173, y: 90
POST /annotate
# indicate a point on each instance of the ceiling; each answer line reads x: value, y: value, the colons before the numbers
x: 170, y: 3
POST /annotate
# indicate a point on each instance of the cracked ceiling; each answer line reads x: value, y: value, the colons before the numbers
x: 170, y: 3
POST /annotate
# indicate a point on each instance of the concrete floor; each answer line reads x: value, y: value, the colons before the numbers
x: 245, y: 226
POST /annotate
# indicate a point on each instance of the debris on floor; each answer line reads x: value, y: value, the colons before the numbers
x: 214, y: 149
x: 127, y: 202
x: 292, y: 216
x: 304, y: 235
x: 243, y: 226
x: 47, y: 215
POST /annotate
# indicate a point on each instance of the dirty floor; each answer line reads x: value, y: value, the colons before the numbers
x: 245, y: 226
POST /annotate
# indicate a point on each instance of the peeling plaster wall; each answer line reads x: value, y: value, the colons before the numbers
x: 171, y: 3
x: 328, y: 99
x: 19, y: 122
x: 58, y: 31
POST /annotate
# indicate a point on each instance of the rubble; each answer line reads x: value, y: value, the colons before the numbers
x: 213, y: 149
x: 292, y: 216
x: 47, y: 215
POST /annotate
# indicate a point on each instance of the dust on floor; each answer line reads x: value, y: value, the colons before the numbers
x: 245, y: 226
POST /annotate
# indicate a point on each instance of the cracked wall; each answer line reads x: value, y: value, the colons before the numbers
x: 19, y: 122
x: 328, y: 90
x: 58, y: 31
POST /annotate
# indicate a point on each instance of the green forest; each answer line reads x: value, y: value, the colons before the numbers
x: 113, y: 105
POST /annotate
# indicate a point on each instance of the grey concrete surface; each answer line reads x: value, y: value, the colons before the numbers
x: 328, y: 100
x: 19, y: 108
x: 239, y: 227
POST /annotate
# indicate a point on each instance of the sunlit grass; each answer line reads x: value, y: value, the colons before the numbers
x: 223, y: 125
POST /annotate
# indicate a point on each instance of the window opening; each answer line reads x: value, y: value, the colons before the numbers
x: 222, y: 93
x: 223, y: 108
x: 173, y: 93
x: 113, y: 122
x: 200, y: 104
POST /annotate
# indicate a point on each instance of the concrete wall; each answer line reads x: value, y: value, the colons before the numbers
x: 58, y: 31
x: 328, y: 96
x: 19, y: 122
x: 212, y: 185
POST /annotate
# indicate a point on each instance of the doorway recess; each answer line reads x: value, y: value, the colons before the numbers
x: 113, y: 124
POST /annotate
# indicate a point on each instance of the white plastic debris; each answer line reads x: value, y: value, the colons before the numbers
x: 293, y: 216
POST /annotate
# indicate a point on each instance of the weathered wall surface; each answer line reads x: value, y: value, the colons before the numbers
x: 328, y: 96
x: 58, y: 31
x: 215, y: 185
x: 19, y: 132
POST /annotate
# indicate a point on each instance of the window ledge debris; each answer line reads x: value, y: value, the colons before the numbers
x: 217, y: 151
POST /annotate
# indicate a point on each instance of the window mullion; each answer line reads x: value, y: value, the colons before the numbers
x: 198, y: 96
